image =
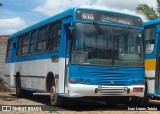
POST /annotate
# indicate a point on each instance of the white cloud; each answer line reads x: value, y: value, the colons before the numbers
x: 51, y: 7
x: 9, y: 26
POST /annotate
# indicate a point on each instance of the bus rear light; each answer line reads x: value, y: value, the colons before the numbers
x: 137, y: 89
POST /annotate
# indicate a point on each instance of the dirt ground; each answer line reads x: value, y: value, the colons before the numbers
x: 3, y: 88
x: 40, y: 100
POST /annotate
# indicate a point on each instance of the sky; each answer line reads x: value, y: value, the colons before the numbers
x: 16, y: 15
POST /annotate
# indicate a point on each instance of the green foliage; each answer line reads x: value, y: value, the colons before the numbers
x: 149, y: 12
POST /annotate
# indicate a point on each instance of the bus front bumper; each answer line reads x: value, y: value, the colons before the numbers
x: 80, y: 90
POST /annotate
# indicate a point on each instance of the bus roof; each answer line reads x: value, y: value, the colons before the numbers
x: 59, y: 16
x: 152, y: 22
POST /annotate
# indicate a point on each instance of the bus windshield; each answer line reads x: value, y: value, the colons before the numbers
x: 107, y: 46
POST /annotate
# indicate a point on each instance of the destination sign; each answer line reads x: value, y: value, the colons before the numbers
x: 108, y: 17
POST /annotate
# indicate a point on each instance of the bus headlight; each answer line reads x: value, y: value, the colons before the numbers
x: 81, y: 80
x: 139, y: 81
x: 88, y: 81
x: 133, y: 82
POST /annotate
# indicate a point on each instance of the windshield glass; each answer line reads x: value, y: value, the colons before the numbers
x: 107, y: 46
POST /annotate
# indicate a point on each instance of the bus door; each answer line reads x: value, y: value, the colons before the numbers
x: 65, y: 45
x: 157, y: 78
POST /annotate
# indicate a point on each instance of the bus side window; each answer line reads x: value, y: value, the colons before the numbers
x: 54, y: 37
x: 42, y: 39
x: 9, y: 49
x: 149, y: 34
x: 32, y: 42
x: 19, y: 46
x: 25, y: 44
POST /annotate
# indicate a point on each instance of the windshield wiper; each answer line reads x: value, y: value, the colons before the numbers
x: 99, y: 28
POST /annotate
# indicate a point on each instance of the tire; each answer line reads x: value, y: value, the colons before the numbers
x: 142, y: 101
x: 145, y: 99
x: 19, y: 91
x: 27, y: 93
x: 54, y: 98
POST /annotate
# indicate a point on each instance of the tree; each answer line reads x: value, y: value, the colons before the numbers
x: 149, y: 12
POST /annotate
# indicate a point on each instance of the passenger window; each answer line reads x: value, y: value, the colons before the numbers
x: 23, y: 43
x: 9, y: 49
x: 42, y: 39
x: 54, y: 37
x: 149, y: 34
x: 32, y: 42
x: 19, y: 46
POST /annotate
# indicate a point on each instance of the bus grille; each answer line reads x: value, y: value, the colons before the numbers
x: 116, y: 79
x: 112, y: 91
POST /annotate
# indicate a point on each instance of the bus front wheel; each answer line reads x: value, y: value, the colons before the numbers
x: 54, y: 98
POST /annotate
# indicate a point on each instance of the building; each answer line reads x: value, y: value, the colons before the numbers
x: 3, y: 47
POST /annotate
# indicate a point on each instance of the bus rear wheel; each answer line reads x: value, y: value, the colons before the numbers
x: 19, y: 91
x: 54, y: 98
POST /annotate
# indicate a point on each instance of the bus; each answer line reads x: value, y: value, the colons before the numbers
x: 152, y: 57
x: 79, y: 53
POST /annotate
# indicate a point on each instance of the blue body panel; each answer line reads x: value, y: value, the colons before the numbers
x: 158, y: 91
x: 152, y: 22
x: 101, y: 75
x: 37, y: 90
x: 151, y: 94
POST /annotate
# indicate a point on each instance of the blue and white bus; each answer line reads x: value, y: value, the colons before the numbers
x: 152, y: 57
x: 79, y: 53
